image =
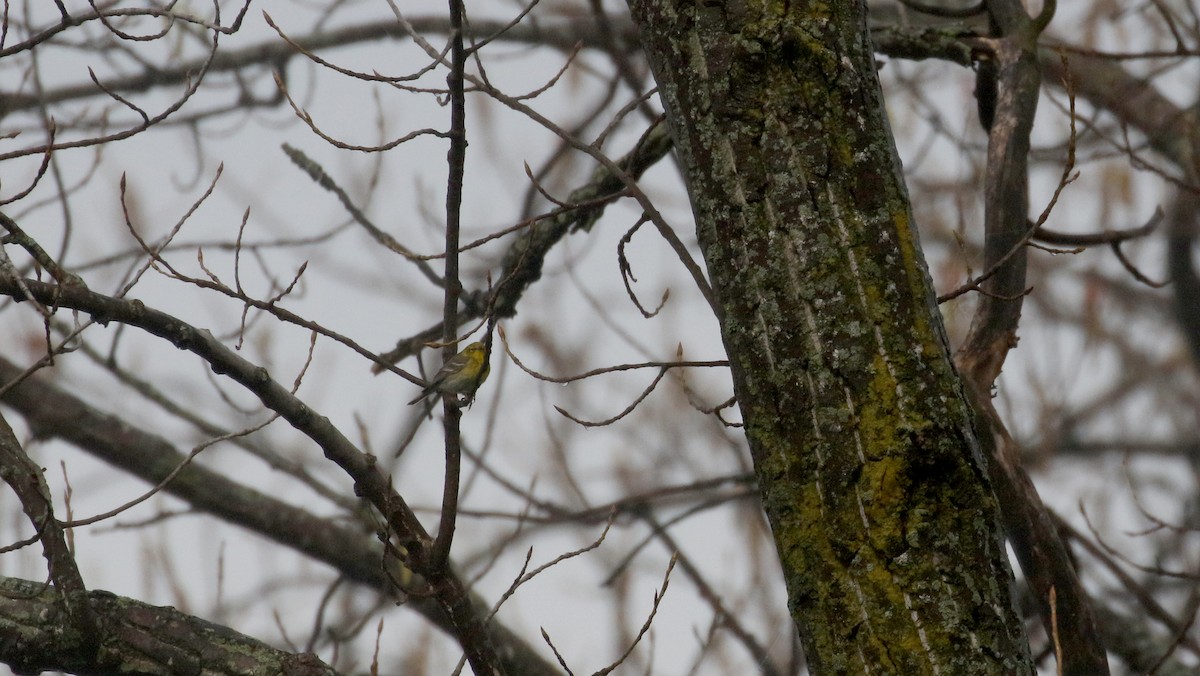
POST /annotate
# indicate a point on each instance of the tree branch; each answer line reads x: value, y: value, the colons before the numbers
x: 53, y: 413
x: 369, y: 481
x: 138, y: 638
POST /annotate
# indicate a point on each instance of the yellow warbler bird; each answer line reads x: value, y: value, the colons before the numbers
x: 463, y: 374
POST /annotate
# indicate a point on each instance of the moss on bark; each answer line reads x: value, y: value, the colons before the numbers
x: 870, y: 472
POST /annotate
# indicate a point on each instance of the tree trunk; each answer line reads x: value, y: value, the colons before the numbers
x: 870, y: 471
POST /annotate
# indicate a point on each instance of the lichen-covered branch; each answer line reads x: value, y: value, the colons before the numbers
x: 869, y: 467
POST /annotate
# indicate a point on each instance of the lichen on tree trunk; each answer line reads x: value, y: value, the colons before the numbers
x: 869, y: 468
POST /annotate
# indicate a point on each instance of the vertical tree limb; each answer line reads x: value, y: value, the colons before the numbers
x: 871, y: 475
x: 1044, y: 557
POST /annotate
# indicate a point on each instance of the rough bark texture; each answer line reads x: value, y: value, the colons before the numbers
x: 870, y: 470
x: 136, y: 638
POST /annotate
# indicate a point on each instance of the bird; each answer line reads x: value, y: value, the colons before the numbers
x: 463, y: 374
